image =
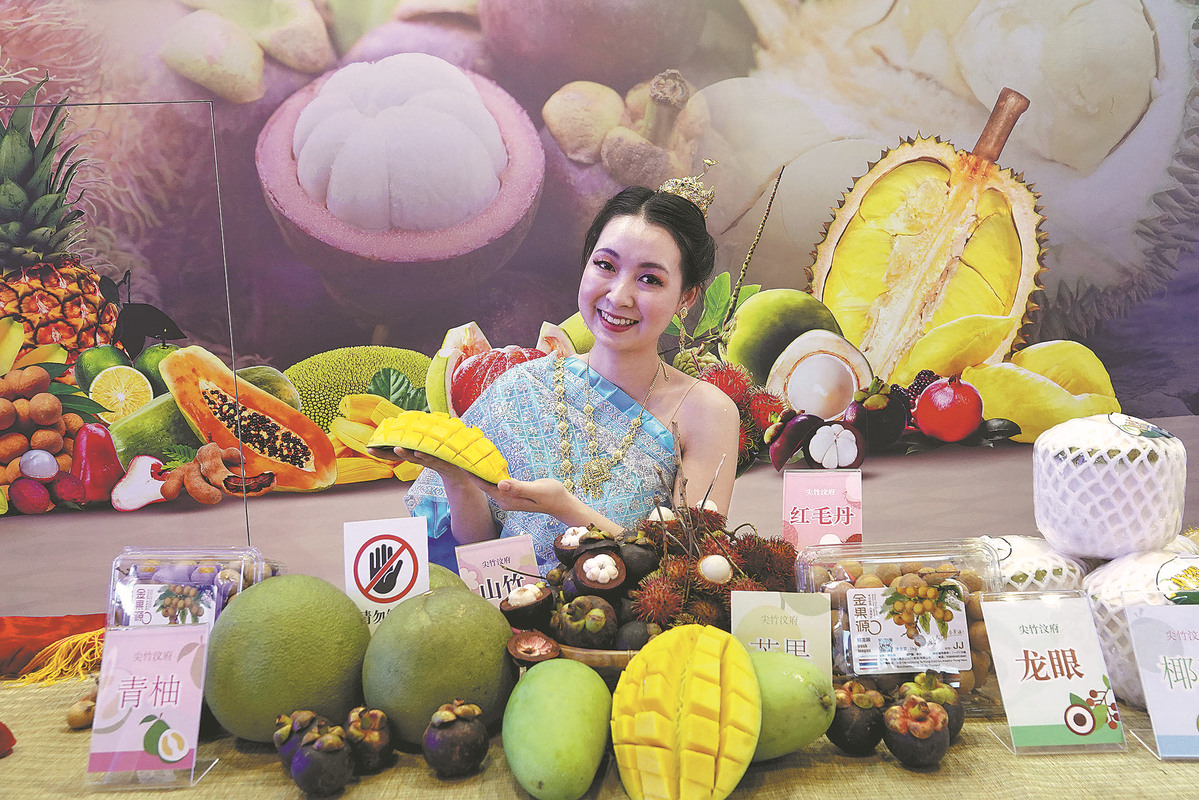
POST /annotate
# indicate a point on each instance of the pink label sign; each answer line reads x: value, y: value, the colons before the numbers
x: 148, y: 706
x: 492, y: 568
x: 822, y: 506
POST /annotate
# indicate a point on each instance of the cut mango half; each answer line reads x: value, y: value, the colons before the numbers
x: 686, y: 716
x: 443, y: 436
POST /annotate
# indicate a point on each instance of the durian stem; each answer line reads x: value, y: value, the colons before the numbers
x: 1008, y: 108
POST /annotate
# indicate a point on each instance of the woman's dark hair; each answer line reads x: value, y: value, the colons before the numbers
x: 678, y: 215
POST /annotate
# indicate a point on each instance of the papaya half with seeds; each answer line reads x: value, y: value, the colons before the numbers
x: 275, y: 437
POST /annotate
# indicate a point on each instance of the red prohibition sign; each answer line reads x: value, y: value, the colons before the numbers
x: 403, y: 548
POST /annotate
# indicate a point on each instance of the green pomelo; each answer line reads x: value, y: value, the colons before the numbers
x: 94, y: 360
x: 160, y: 424
x: 766, y: 323
x: 797, y: 703
x: 284, y: 644
x: 557, y: 759
x: 147, y: 362
x: 434, y: 648
x: 439, y: 576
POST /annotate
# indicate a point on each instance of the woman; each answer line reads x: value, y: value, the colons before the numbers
x: 590, y: 439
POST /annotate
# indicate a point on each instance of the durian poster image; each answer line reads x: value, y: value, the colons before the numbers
x: 315, y: 193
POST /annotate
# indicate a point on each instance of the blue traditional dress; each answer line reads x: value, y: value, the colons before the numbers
x: 518, y: 413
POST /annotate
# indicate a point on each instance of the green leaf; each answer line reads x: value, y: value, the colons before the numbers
x: 176, y: 455
x: 11, y: 231
x: 41, y: 208
x: 943, y: 628
x: 716, y: 304
x: 16, y: 156
x: 83, y: 406
x: 924, y: 620
x: 1099, y: 712
x: 747, y: 291
x: 1075, y: 700
x: 393, y: 385
x: 13, y: 200
x: 55, y: 370
x: 673, y: 328
x: 149, y: 718
x: 991, y: 431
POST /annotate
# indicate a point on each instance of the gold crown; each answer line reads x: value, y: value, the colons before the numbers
x: 693, y: 188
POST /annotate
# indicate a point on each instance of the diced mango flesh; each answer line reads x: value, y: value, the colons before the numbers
x: 686, y: 716
x: 445, y: 437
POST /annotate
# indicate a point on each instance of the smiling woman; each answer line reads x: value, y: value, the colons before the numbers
x: 591, y: 440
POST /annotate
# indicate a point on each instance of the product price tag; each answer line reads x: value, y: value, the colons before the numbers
x: 1166, y: 641
x: 791, y: 622
x: 148, y: 705
x: 885, y: 634
x: 822, y: 506
x: 1052, y: 677
x: 386, y: 561
x: 492, y: 568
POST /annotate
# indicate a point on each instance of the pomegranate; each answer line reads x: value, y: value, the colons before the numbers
x: 475, y: 373
x: 949, y: 409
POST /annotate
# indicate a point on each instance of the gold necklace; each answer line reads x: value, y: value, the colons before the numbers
x: 598, y: 469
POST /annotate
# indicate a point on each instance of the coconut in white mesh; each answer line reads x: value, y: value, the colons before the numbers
x: 1029, y: 564
x: 1137, y: 572
x: 1108, y: 485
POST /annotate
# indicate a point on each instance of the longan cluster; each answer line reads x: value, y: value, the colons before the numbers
x: 31, y: 418
x: 177, y: 601
x: 923, y: 603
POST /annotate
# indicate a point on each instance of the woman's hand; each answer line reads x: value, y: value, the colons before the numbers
x: 544, y: 496
x: 450, y: 473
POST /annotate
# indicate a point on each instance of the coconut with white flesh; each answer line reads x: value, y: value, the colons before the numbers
x: 835, y: 445
x: 819, y: 373
x: 404, y: 142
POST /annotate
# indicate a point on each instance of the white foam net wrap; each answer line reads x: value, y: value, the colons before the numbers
x: 1101, y: 492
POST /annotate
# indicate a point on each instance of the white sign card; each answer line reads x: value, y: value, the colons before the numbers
x: 1166, y: 641
x: 822, y: 506
x: 1052, y: 677
x: 493, y: 568
x: 386, y: 561
x: 791, y: 622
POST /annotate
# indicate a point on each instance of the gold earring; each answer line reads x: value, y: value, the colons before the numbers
x: 683, y: 312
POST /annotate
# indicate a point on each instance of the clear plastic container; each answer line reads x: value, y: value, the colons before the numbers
x: 899, y: 609
x: 181, y: 586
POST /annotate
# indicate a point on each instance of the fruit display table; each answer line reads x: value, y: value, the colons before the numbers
x: 59, y: 563
x: 49, y: 762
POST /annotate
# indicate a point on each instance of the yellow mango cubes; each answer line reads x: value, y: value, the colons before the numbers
x: 445, y: 437
x: 686, y: 716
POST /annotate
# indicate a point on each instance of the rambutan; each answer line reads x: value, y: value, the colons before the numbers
x: 747, y: 449
x: 763, y: 408
x: 721, y: 545
x: 665, y: 536
x: 711, y: 574
x: 707, y: 521
x: 677, y: 570
x: 743, y: 584
x: 657, y: 600
x: 706, y: 612
x: 732, y: 379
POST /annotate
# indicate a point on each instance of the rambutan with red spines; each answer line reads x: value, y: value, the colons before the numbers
x: 764, y: 408
x: 720, y: 544
x: 732, y: 379
x: 657, y: 600
x: 677, y: 570
x: 768, y: 561
x: 665, y: 536
x: 706, y: 521
x: 707, y: 612
x: 710, y: 574
x: 747, y: 449
x: 745, y: 584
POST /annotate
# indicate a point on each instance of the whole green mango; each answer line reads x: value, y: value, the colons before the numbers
x: 557, y: 761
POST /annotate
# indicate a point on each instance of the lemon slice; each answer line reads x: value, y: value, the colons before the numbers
x: 122, y: 390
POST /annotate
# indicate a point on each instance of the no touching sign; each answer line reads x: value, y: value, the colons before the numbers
x: 386, y: 561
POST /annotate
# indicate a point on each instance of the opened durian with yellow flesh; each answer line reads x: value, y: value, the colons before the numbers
x: 932, y: 262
